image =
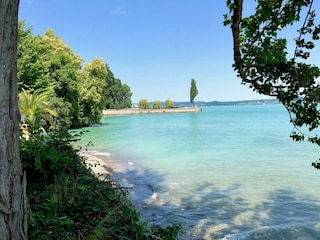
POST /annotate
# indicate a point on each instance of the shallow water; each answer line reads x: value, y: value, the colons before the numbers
x: 226, y: 173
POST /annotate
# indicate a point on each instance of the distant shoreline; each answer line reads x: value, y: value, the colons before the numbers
x: 137, y: 111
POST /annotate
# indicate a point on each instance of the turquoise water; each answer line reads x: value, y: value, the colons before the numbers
x: 228, y: 172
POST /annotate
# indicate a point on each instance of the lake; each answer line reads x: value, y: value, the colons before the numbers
x: 228, y: 172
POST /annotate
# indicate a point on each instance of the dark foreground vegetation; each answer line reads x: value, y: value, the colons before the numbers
x: 67, y: 201
x: 57, y: 92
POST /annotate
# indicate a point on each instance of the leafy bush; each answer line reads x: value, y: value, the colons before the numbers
x: 169, y: 103
x: 68, y: 202
x: 43, y: 154
x: 144, y: 104
x: 156, y: 104
x: 86, y: 208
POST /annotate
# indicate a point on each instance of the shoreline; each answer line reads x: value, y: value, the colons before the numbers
x: 104, y: 164
x: 100, y: 165
x: 125, y: 174
x: 138, y: 111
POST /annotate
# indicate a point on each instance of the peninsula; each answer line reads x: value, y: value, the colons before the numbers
x: 136, y: 111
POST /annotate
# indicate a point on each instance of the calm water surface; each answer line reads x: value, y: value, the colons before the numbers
x: 225, y: 173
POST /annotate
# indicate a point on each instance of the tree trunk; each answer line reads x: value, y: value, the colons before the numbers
x: 13, y: 201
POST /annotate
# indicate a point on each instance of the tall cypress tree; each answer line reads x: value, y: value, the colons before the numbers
x: 193, y: 91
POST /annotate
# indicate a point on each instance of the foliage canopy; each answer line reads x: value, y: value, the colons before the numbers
x: 169, y: 103
x: 80, y: 91
x: 144, y: 104
x: 92, y: 91
x: 156, y: 104
x: 263, y: 61
x: 66, y: 200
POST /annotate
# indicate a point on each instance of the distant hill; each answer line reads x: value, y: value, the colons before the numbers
x: 228, y: 103
x: 223, y: 103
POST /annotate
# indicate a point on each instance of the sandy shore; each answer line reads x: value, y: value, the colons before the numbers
x: 103, y: 164
x: 100, y: 165
x: 124, y: 174
x: 135, y: 111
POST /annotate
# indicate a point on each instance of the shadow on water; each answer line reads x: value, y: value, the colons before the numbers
x: 210, y: 212
x: 207, y: 212
x: 230, y: 213
x: 143, y: 186
x: 224, y: 214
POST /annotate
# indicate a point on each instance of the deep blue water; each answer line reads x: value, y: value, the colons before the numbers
x: 229, y: 172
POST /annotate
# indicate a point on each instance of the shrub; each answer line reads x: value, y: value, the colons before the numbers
x: 44, y: 155
x: 144, y: 104
x: 169, y: 103
x: 80, y: 206
x: 156, y: 104
x: 68, y: 202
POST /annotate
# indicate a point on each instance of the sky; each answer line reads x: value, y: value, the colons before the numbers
x: 154, y: 46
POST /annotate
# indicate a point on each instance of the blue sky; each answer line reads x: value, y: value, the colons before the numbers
x: 154, y: 46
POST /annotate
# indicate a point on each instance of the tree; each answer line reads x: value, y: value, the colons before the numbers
x: 125, y: 96
x: 193, y: 91
x: 13, y: 201
x: 57, y: 45
x: 111, y: 90
x: 92, y: 90
x: 64, y: 66
x: 36, y: 106
x: 47, y: 62
x: 169, y: 103
x: 33, y: 61
x: 263, y: 61
x: 144, y: 104
x: 118, y: 95
x: 156, y: 104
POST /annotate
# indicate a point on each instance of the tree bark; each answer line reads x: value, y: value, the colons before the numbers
x: 13, y: 201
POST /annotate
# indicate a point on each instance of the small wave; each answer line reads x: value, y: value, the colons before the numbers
x: 276, y: 232
x: 124, y: 183
x: 152, y: 199
x: 261, y: 232
x: 96, y: 125
x: 101, y: 153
